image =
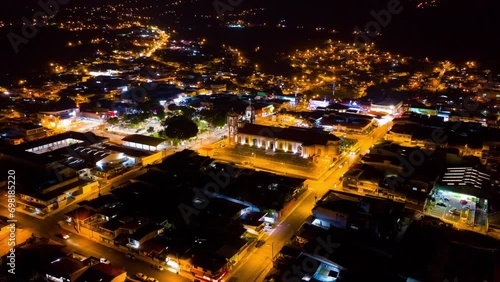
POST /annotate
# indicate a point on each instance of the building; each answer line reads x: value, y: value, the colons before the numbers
x: 346, y: 123
x: 463, y: 206
x: 64, y: 269
x: 232, y: 124
x: 59, y: 119
x: 458, y: 176
x: 144, y: 142
x: 142, y: 234
x: 387, y: 106
x: 305, y: 142
x: 47, y: 171
x: 379, y: 217
x: 28, y: 131
x: 250, y: 114
x: 316, y: 103
x: 103, y: 273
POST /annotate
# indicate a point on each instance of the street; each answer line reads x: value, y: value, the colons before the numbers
x: 251, y: 268
x: 50, y: 228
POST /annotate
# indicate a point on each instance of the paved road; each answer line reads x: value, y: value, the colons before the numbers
x: 254, y: 266
x: 49, y: 228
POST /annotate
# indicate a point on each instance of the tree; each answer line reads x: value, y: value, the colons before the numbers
x: 216, y: 118
x: 172, y: 107
x: 180, y: 127
x: 219, y: 120
x: 187, y: 111
x: 151, y: 108
x: 113, y: 120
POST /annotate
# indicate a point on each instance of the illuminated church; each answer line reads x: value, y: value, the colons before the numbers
x: 305, y: 142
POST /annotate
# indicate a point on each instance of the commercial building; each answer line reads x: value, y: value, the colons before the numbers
x: 144, y: 142
x: 387, y: 106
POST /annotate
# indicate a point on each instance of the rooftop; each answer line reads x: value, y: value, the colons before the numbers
x: 100, y: 272
x: 143, y: 139
x: 304, y: 135
x: 64, y: 267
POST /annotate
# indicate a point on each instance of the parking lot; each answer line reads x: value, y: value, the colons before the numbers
x: 453, y: 207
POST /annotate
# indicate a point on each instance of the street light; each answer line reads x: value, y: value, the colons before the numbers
x: 272, y: 252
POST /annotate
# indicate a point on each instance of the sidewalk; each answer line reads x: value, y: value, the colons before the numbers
x: 266, y: 236
x: 21, y: 236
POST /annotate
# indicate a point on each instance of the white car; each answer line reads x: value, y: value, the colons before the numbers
x: 157, y: 267
x: 141, y: 276
x: 105, y: 261
x: 151, y: 279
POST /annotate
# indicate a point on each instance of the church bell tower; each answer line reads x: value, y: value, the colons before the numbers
x: 232, y: 125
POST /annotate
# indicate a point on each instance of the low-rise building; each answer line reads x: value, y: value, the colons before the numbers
x: 387, y: 106
x: 379, y: 217
x: 302, y: 141
x: 144, y: 142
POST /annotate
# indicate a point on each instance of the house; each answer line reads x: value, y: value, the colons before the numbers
x: 63, y: 269
x: 142, y: 234
x: 253, y: 222
x: 370, y: 215
x: 103, y: 273
x: 387, y: 163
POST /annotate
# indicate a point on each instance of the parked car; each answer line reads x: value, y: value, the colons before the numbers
x: 441, y: 204
x: 463, y: 202
x: 64, y: 235
x: 141, y: 276
x: 157, y: 267
x: 105, y: 261
x: 260, y: 243
x: 454, y: 212
x: 151, y: 279
x: 130, y: 256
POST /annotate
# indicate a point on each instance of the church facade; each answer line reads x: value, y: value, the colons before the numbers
x: 305, y: 142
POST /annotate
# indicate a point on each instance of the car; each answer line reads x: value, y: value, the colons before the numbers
x: 104, y: 260
x: 64, y: 235
x: 463, y: 202
x: 454, y: 212
x: 141, y: 276
x: 260, y: 243
x: 157, y: 267
x: 446, y: 199
x: 151, y: 279
x: 130, y: 256
x: 441, y: 204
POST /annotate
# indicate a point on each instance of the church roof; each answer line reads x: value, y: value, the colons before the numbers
x: 305, y: 136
